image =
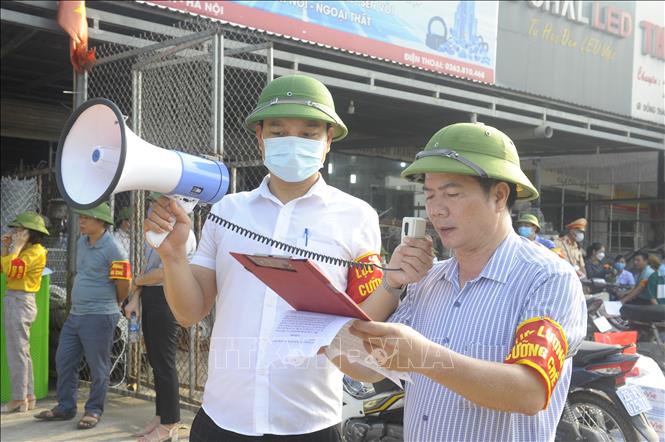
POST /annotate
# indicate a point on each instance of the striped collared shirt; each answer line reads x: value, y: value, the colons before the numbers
x: 520, y: 281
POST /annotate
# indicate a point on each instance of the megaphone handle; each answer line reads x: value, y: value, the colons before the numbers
x: 187, y: 204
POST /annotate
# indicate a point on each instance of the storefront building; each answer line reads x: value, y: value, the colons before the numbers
x: 578, y: 85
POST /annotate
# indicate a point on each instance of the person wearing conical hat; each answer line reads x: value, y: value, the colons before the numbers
x: 245, y: 397
x: 100, y: 286
x: 570, y: 245
x: 489, y: 334
x: 23, y: 261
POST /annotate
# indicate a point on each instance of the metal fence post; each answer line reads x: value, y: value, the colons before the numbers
x: 193, y: 342
x: 270, y: 63
x: 80, y: 96
x: 218, y: 94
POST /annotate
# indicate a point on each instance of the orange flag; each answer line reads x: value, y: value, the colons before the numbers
x: 71, y: 18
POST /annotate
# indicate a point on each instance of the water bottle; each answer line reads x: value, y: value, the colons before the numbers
x: 133, y: 329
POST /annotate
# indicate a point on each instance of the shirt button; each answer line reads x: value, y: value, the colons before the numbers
x: 425, y: 417
x: 457, y: 304
x: 445, y: 341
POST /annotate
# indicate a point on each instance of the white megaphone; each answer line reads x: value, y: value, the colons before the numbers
x: 99, y: 156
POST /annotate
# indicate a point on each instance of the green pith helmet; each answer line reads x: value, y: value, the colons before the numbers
x: 124, y: 213
x: 473, y: 149
x: 297, y: 96
x: 529, y: 218
x: 101, y: 212
x: 30, y: 220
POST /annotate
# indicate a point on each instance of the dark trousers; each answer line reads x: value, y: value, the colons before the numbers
x: 160, y: 333
x: 204, y: 429
x: 92, y: 336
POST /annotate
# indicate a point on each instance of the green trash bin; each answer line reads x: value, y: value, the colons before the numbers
x: 38, y: 342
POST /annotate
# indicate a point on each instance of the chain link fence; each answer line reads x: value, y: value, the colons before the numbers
x: 182, y: 92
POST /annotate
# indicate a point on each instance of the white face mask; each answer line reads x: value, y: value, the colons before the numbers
x: 579, y: 236
x: 294, y: 159
x: 600, y: 256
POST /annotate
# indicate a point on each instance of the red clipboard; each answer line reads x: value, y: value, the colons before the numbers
x: 301, y: 284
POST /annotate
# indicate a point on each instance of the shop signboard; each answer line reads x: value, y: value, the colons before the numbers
x: 578, y: 52
x: 648, y: 94
x: 451, y: 37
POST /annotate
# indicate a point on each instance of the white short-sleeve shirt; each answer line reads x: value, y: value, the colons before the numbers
x: 243, y: 394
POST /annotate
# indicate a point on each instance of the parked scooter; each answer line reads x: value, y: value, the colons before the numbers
x: 649, y: 322
x: 599, y: 405
x: 372, y: 412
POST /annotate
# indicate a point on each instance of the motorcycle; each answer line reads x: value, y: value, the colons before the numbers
x: 372, y: 412
x: 647, y: 320
x: 599, y: 405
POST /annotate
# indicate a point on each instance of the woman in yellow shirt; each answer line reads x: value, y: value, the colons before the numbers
x: 23, y: 261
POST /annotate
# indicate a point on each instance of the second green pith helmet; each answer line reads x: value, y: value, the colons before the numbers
x: 31, y: 221
x: 101, y: 212
x: 529, y: 218
x: 297, y: 96
x: 473, y: 149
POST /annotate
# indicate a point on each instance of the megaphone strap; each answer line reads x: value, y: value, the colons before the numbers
x: 292, y: 249
x: 453, y: 156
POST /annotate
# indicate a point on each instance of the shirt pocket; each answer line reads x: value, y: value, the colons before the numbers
x: 485, y: 352
x: 328, y: 251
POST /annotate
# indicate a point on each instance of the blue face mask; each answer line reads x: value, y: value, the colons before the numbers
x: 619, y: 266
x: 293, y: 159
x: 525, y: 231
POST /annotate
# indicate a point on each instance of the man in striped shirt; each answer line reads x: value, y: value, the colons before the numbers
x: 488, y: 335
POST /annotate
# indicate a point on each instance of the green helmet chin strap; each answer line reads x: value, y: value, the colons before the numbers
x: 453, y: 156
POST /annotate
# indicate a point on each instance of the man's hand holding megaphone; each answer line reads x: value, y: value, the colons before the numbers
x: 98, y: 156
x: 164, y: 211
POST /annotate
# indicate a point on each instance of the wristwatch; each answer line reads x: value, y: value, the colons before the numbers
x: 395, y: 291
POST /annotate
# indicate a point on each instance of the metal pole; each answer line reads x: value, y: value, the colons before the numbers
x: 563, y: 200
x: 234, y: 178
x: 537, y: 175
x: 586, y: 205
x: 609, y: 246
x: 192, y: 344
x: 660, y: 192
x: 218, y: 94
x: 270, y: 63
x: 661, y: 176
x: 637, y: 243
x: 50, y: 171
x: 134, y: 351
x: 80, y: 96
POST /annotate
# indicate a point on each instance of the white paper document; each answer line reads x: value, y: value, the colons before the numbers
x: 612, y: 308
x: 299, y: 336
x: 602, y: 324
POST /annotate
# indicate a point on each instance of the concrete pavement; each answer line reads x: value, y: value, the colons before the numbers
x: 123, y: 416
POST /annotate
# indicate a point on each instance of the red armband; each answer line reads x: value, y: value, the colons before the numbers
x: 541, y: 344
x: 16, y: 269
x: 363, y: 281
x: 120, y: 270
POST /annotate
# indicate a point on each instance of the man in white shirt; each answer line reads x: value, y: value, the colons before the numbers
x: 246, y: 397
